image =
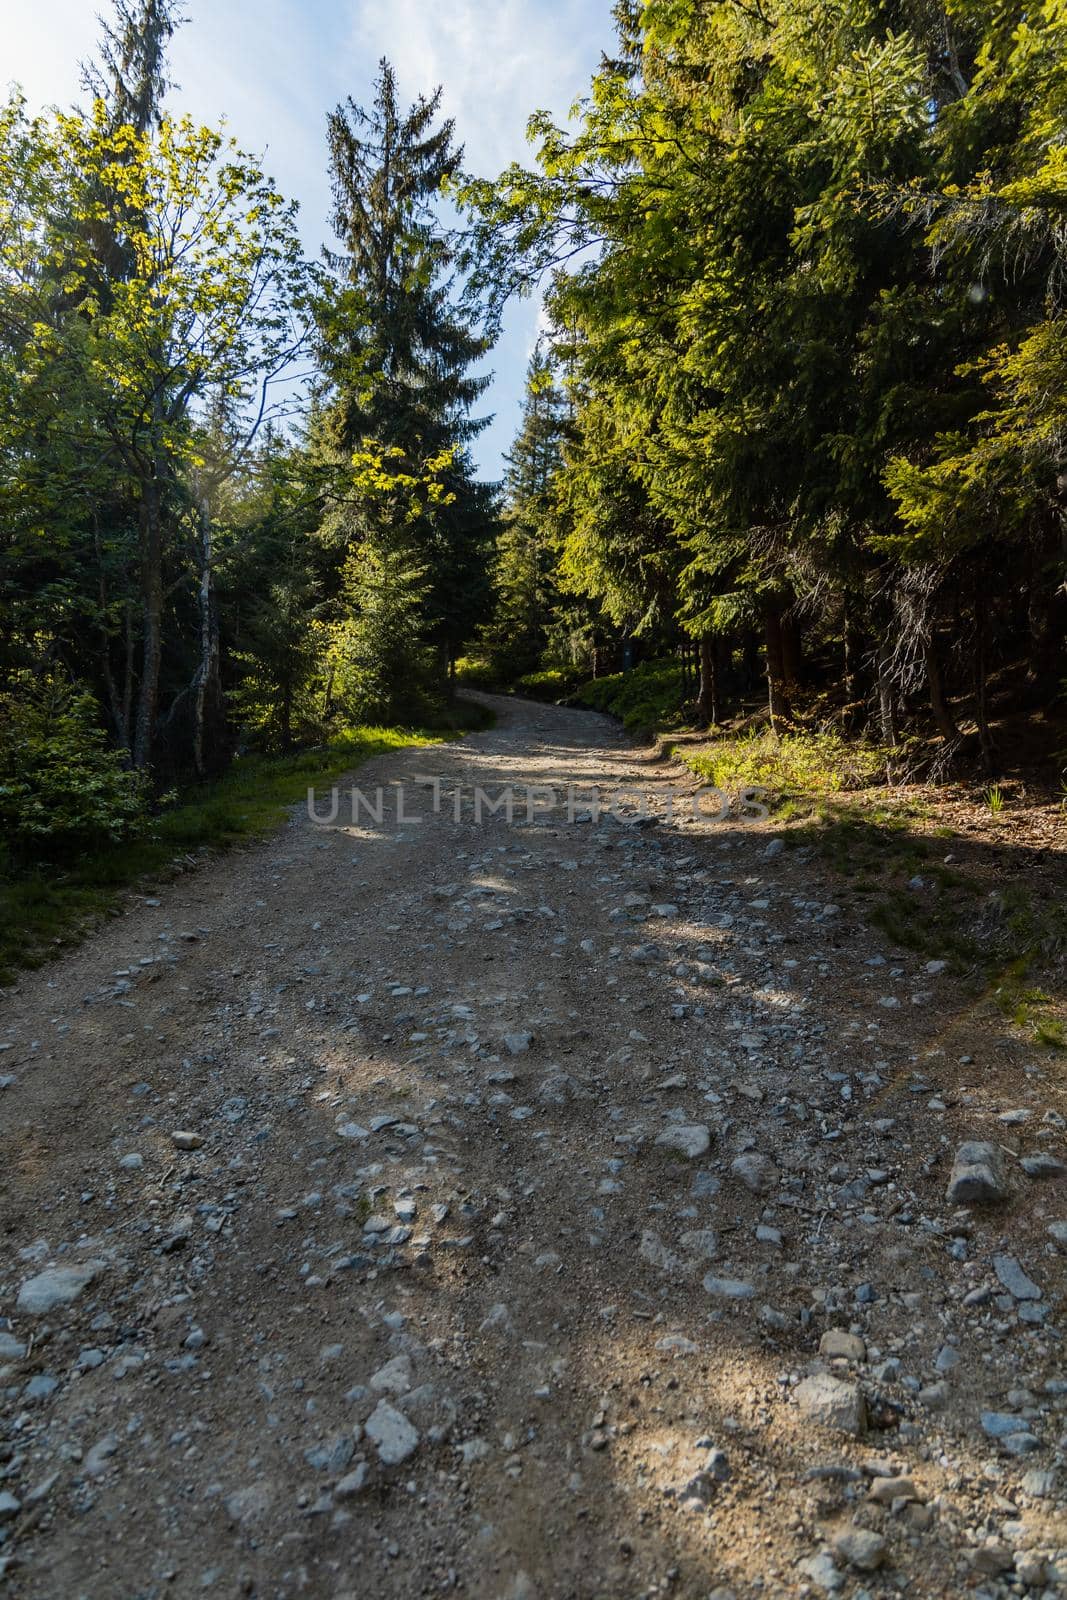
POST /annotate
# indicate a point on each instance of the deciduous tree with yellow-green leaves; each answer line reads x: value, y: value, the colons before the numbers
x: 185, y: 567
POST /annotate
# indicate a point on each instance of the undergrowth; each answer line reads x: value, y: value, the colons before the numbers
x: 792, y: 766
x: 48, y: 906
x: 993, y: 937
x: 646, y: 700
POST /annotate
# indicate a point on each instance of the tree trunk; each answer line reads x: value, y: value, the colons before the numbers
x: 206, y: 682
x: 152, y: 605
x: 981, y: 708
x: 285, y: 729
x: 708, y: 690
x: 853, y: 648
x: 1046, y: 606
x: 887, y: 715
x: 777, y: 696
x: 686, y: 672
x: 750, y: 667
x: 935, y: 683
x: 129, y: 669
x: 792, y: 652
x: 115, y: 706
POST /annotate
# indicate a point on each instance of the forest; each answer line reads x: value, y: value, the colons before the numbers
x: 792, y: 449
x: 801, y: 415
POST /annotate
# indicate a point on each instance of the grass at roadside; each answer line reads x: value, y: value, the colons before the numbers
x: 796, y: 768
x: 49, y: 907
x: 956, y: 900
x: 991, y: 920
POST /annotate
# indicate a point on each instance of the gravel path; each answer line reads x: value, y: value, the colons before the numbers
x: 530, y: 1208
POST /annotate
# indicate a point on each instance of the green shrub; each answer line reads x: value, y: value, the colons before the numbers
x: 550, y: 683
x: 475, y: 672
x: 644, y: 699
x: 61, y: 788
x: 788, y: 763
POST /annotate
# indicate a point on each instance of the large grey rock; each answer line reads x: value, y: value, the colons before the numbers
x: 391, y: 1431
x: 884, y: 1491
x: 1014, y: 1279
x: 991, y: 1558
x: 653, y: 1250
x: 1020, y: 1444
x: 757, y: 1173
x: 691, y: 1139
x: 836, y: 1344
x: 728, y: 1288
x: 394, y: 1377
x: 999, y: 1424
x: 251, y: 1503
x: 832, y: 1403
x: 353, y: 1484
x: 98, y: 1457
x: 1042, y: 1165
x: 702, y: 1242
x: 977, y: 1174
x: 58, y: 1286
x: 861, y: 1548
x: 820, y: 1571
x: 1012, y: 1433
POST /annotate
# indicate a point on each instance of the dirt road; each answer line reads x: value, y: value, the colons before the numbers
x: 521, y: 1208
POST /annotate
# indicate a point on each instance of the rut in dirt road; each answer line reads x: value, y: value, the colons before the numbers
x: 523, y: 1208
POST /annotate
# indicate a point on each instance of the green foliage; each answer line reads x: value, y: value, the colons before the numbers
x: 61, y: 788
x: 816, y: 358
x: 550, y: 683
x: 526, y: 595
x: 646, y: 699
x: 475, y: 672
x: 788, y: 765
x: 380, y: 666
x: 43, y: 911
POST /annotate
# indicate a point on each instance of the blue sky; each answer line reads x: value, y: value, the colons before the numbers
x: 275, y: 67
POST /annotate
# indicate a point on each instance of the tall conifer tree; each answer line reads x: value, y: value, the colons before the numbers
x: 397, y: 352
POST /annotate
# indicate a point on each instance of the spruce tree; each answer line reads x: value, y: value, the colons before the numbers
x: 396, y: 351
x: 130, y: 73
x: 526, y: 553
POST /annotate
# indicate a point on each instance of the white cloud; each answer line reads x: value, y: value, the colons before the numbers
x: 497, y: 62
x: 43, y: 44
x: 275, y: 68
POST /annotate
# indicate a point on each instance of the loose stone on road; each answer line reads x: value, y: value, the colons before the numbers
x: 554, y: 1205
